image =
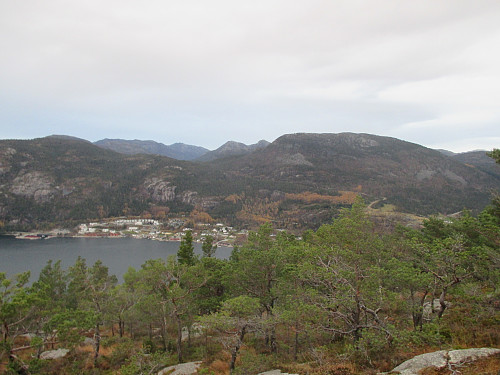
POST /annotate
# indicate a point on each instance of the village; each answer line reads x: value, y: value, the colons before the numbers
x: 173, y: 229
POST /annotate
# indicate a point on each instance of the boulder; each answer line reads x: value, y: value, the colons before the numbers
x: 87, y: 341
x: 442, y: 359
x: 54, y: 354
x: 457, y: 357
x: 431, y: 308
x: 196, y: 331
x: 188, y: 368
x: 437, y: 359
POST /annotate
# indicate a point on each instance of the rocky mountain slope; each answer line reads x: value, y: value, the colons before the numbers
x: 178, y: 151
x: 413, y: 177
x: 299, y: 180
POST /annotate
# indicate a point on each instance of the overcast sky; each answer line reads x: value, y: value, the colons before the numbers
x: 204, y: 72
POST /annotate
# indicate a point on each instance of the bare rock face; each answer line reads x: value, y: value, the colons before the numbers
x: 453, y: 176
x: 159, y: 190
x: 442, y: 359
x: 429, y: 174
x: 5, y: 159
x: 294, y: 159
x: 359, y: 140
x: 189, y: 197
x: 4, y: 167
x: 34, y: 185
x: 274, y: 372
x: 207, y: 203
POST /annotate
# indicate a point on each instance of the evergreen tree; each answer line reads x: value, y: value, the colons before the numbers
x: 495, y: 154
x: 92, y: 288
x: 208, y: 247
x: 185, y: 255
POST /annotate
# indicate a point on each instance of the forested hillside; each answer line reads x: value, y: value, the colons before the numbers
x: 414, y: 178
x: 349, y: 298
x: 297, y: 182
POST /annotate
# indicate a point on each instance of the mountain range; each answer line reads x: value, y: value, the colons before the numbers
x: 297, y: 181
x: 179, y: 151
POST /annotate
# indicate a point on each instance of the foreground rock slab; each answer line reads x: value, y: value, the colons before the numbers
x: 54, y: 354
x: 188, y: 368
x: 275, y: 372
x: 441, y: 359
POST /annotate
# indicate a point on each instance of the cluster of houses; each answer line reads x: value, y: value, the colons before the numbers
x: 172, y: 230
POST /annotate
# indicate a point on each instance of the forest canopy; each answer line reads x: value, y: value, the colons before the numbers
x: 350, y: 294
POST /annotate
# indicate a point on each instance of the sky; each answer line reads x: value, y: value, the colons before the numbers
x: 205, y: 72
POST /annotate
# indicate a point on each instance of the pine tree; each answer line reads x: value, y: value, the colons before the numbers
x: 185, y: 255
x: 208, y: 247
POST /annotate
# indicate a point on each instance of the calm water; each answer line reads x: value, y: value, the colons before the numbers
x: 117, y: 253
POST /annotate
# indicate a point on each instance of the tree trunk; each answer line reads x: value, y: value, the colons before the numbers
x: 121, y: 328
x: 179, y: 339
x: 5, y: 332
x: 236, y: 349
x: 163, y: 338
x: 97, y: 342
x: 164, y: 332
x: 272, y: 340
x: 418, y: 313
x: 442, y: 303
x: 270, y: 337
x: 356, y: 319
x: 131, y: 329
x: 296, y: 345
x: 206, y: 344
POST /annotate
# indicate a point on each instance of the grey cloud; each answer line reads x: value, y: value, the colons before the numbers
x: 178, y: 70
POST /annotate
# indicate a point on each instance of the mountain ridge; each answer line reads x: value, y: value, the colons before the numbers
x: 299, y: 180
x: 180, y: 151
x: 346, y: 160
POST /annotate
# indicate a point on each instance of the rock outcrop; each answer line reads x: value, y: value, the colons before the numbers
x: 442, y: 359
x: 54, y: 354
x: 34, y: 185
x: 188, y: 368
x: 160, y: 191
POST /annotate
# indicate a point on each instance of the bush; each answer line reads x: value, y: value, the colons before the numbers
x: 122, y: 351
x: 149, y: 346
x: 250, y: 362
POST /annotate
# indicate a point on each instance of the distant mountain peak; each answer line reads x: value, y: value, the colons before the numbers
x: 178, y: 151
x: 67, y: 138
x: 233, y: 148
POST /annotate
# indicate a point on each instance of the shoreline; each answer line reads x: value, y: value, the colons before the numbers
x: 32, y: 236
